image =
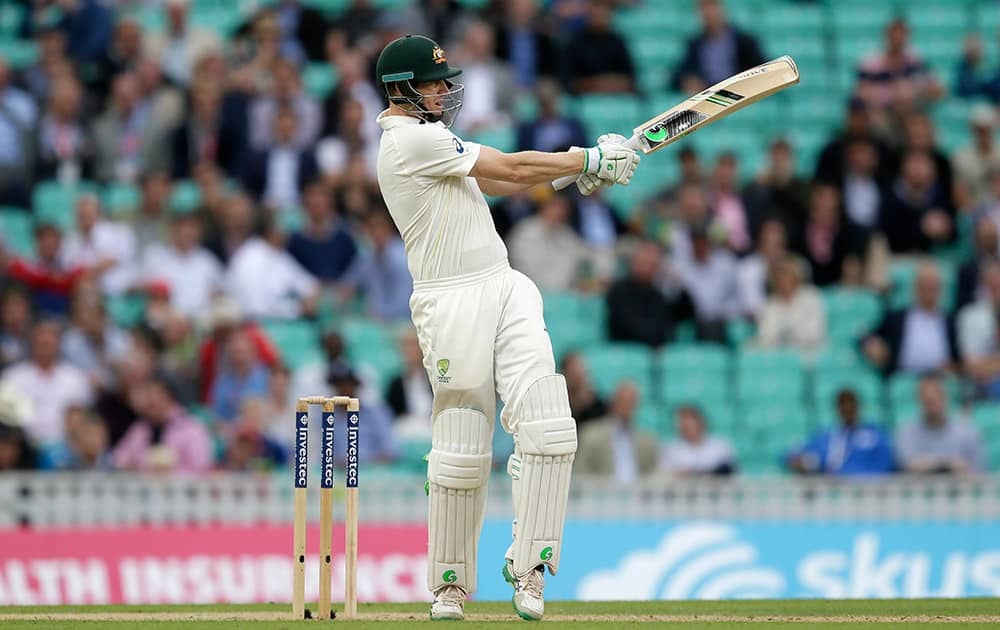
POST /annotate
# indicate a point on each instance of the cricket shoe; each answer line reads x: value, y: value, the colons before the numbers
x: 449, y: 604
x: 529, y: 603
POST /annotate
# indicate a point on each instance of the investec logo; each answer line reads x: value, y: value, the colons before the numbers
x: 352, y: 451
x: 697, y: 561
x: 327, y: 481
x: 301, y: 450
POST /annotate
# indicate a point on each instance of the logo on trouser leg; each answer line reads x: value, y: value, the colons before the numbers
x: 442, y: 368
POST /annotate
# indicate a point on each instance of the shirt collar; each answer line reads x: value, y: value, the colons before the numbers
x: 389, y: 121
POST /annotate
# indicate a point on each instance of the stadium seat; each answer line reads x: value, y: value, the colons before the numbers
x: 986, y: 417
x: 54, y: 202
x: 902, y: 389
x: 695, y: 373
x: 613, y: 363
x: 702, y: 357
x: 185, y: 196
x: 850, y: 313
x: 838, y: 357
x: 120, y: 199
x: 767, y: 432
x: 126, y: 310
x: 17, y: 231
x: 319, y: 79
x: 654, y: 418
x: 769, y: 375
x: 19, y: 53
x: 296, y: 340
x: 867, y: 384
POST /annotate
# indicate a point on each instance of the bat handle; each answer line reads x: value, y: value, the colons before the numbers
x: 563, y: 182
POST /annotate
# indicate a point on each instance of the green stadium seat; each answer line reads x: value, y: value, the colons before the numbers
x: 693, y: 386
x: 604, y: 113
x: 902, y: 274
x: 11, y: 15
x: 331, y: 8
x: 839, y: 357
x: 19, y: 53
x: 126, y: 310
x: 611, y: 364
x: 17, y: 231
x: 502, y: 138
x: 902, y: 389
x: 297, y: 341
x: 769, y: 375
x: 654, y: 418
x: 319, y: 79
x: 986, y: 417
x: 934, y: 14
x: 767, y: 432
x: 54, y: 202
x: 738, y: 331
x: 185, y: 196
x: 793, y: 17
x: 121, y: 199
x: 710, y: 358
x: 850, y: 313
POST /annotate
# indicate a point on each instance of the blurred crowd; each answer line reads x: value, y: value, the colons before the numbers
x: 257, y: 202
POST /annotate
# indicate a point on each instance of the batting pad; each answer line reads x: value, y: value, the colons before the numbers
x: 540, y: 469
x: 457, y: 469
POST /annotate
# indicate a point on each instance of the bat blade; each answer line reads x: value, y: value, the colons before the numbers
x: 717, y: 102
x: 708, y: 106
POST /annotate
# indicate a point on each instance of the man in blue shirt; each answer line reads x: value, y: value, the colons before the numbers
x: 853, y: 448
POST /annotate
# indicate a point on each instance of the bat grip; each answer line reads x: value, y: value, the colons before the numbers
x: 563, y: 182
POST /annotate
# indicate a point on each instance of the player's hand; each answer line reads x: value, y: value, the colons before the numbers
x: 612, y: 162
x: 611, y: 138
x: 589, y: 183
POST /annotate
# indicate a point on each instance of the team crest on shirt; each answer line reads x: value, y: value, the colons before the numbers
x: 438, y: 55
x: 459, y: 147
x: 442, y: 367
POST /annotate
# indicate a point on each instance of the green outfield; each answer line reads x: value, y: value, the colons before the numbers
x: 812, y: 614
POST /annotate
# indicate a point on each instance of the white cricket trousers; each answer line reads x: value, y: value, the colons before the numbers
x: 482, y: 334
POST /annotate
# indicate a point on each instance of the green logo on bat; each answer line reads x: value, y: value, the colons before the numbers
x: 656, y: 134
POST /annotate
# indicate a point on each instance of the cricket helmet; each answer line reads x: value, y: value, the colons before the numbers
x: 412, y: 59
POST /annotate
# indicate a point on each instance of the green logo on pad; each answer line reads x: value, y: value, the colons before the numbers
x: 449, y: 576
x: 546, y: 553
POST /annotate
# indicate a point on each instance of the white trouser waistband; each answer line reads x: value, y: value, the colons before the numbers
x: 463, y: 280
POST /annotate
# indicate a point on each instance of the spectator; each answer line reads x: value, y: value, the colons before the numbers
x: 377, y: 442
x: 122, y: 54
x: 225, y: 318
x: 276, y: 175
x: 551, y: 129
x: 285, y: 93
x: 990, y: 207
x: 612, y: 447
x: 150, y: 221
x: 180, y: 44
x: 18, y: 116
x: 488, y: 100
x: 409, y: 394
x: 858, y: 126
x: 547, y: 250
x: 92, y: 343
x: 975, y: 163
x: 718, y: 52
x: 248, y: 447
x: 47, y: 278
x: 356, y: 23
x: 191, y: 274
x: 64, y: 150
x: 695, y: 452
x: 936, y: 441
x: 51, y: 384
x: 728, y: 211
x: 597, y: 58
x: 105, y: 247
x: 52, y: 64
x: 794, y: 316
x: 241, y: 376
x: 584, y: 401
x: 165, y: 438
x: 323, y: 246
x: 637, y: 310
x: 238, y: 222
x: 597, y: 223
x: 523, y: 43
x: 863, y: 195
x: 126, y: 142
x: 303, y: 30
x: 822, y: 240
x: 979, y: 335
x: 88, y: 26
x: 132, y: 370
x: 665, y: 217
x: 971, y: 79
x: 709, y: 275
x: 896, y: 80
x: 916, y: 214
x: 267, y: 282
x: 919, y: 135
x: 86, y: 445
x: 353, y: 85
x: 15, y: 325
x: 853, y: 448
x: 334, y: 153
x: 251, y: 72
x: 917, y: 339
x: 754, y: 271
x: 16, y: 452
x: 385, y: 278
x: 778, y: 192
x: 970, y: 273
x: 208, y: 134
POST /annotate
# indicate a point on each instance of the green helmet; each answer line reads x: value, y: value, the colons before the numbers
x: 413, y: 59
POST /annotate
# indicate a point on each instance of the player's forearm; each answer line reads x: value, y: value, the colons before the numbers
x: 528, y: 167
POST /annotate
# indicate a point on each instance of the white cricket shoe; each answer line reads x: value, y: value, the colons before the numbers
x: 449, y: 604
x: 528, y: 600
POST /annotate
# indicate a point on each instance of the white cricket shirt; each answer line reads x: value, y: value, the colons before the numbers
x: 439, y: 210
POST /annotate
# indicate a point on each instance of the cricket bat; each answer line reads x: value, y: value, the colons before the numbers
x: 708, y: 106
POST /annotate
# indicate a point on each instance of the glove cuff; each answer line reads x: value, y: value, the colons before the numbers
x: 592, y: 160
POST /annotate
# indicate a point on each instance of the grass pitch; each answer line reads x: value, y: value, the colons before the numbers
x: 810, y: 614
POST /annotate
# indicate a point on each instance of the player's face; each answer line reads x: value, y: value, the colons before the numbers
x: 433, y: 92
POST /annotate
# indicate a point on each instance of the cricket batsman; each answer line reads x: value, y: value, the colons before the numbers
x: 479, y: 324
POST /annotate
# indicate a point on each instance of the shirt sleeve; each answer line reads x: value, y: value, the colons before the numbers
x: 433, y: 151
